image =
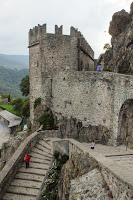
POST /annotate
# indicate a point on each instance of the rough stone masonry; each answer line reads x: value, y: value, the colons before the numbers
x: 87, y: 105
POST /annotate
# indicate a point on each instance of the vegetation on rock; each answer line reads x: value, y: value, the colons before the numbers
x: 107, y: 46
x: 47, y: 121
x: 37, y: 102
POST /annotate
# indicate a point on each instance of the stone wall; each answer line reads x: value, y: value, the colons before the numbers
x: 73, y: 128
x: 93, y: 98
x: 86, y: 105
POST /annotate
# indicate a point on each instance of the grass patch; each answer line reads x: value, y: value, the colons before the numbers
x: 9, y: 108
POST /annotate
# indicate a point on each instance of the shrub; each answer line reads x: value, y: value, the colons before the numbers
x: 47, y: 121
x: 64, y: 158
x: 56, y: 155
x: 53, y: 196
x: 37, y: 101
x: 106, y: 70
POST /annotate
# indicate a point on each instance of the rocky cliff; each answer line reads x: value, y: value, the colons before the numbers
x: 119, y: 57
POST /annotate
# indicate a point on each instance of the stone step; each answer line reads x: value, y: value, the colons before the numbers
x: 45, y: 144
x: 48, y: 142
x: 33, y: 171
x: 35, y: 150
x: 26, y: 176
x: 44, y: 149
x: 23, y: 190
x: 38, y: 160
x: 37, y: 165
x: 42, y: 157
x: 10, y: 196
x: 26, y: 183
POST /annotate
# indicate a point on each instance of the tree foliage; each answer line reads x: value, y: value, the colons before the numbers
x: 107, y: 46
x: 25, y: 110
x: 22, y: 107
x: 25, y: 85
x: 18, y: 103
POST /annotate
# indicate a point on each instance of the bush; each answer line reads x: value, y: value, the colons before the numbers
x: 37, y: 101
x: 106, y: 70
x: 64, y: 158
x: 56, y: 155
x: 53, y: 196
x: 47, y: 121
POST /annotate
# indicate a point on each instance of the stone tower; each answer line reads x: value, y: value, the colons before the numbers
x: 51, y: 53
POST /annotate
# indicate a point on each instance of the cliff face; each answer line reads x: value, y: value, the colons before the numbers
x: 119, y: 58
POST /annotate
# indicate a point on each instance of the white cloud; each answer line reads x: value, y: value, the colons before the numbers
x: 90, y: 17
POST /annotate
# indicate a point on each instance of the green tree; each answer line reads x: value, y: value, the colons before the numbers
x: 25, y: 85
x: 18, y: 103
x: 25, y: 110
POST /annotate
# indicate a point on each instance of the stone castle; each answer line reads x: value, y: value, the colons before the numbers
x: 85, y: 104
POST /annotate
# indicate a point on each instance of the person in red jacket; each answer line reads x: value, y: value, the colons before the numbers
x: 27, y: 160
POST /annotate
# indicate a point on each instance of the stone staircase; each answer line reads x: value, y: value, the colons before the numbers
x: 27, y: 182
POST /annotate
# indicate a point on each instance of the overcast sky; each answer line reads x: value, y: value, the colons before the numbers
x: 91, y: 17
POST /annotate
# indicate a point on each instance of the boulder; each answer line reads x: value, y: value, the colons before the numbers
x: 119, y: 22
x: 119, y: 59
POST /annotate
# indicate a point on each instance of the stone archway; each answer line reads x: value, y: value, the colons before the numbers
x: 125, y: 124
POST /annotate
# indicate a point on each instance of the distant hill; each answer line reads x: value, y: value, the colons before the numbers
x: 10, y: 80
x: 14, y: 61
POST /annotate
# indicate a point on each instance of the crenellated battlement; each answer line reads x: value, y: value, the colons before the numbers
x: 39, y: 31
x: 35, y: 33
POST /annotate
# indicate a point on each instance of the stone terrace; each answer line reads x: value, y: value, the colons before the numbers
x: 118, y: 154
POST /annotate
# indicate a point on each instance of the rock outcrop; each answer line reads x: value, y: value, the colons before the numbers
x: 81, y: 167
x: 121, y: 30
x: 90, y: 186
